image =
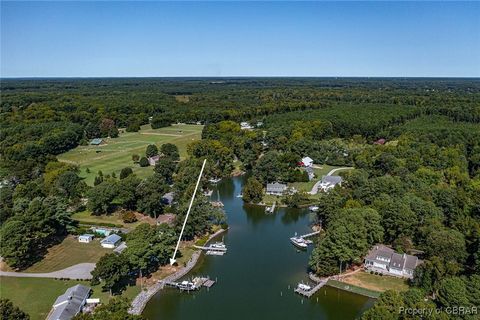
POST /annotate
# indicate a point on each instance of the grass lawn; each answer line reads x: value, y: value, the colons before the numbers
x: 69, y: 253
x: 36, y: 295
x: 117, y: 153
x: 319, y: 173
x: 375, y: 282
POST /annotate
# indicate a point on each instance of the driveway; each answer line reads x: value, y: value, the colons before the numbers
x: 78, y: 271
x: 316, y: 185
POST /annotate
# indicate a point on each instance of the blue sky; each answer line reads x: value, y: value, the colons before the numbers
x: 89, y: 39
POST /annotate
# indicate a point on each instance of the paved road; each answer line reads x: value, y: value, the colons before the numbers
x: 78, y: 271
x: 316, y: 185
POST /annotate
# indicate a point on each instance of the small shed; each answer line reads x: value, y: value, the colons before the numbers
x: 167, y: 198
x: 276, y: 188
x: 111, y: 241
x: 85, y: 238
x: 153, y: 160
x: 96, y: 141
x: 307, y: 161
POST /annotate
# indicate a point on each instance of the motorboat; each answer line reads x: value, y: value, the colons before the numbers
x: 304, y: 287
x: 186, y: 286
x: 313, y: 208
x: 218, y: 245
x: 299, y: 242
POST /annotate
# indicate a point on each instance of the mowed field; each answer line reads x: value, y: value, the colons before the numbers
x: 116, y: 154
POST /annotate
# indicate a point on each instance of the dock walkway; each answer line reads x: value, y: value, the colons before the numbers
x: 310, y: 234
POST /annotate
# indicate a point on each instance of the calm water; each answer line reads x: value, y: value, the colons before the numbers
x: 253, y: 278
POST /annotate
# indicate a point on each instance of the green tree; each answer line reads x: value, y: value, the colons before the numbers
x: 151, y: 151
x: 112, y: 271
x: 125, y: 172
x: 165, y: 167
x: 10, y: 312
x: 252, y: 191
x: 100, y: 197
x: 143, y: 162
x: 170, y: 150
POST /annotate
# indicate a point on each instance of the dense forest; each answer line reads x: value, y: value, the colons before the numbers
x: 418, y: 192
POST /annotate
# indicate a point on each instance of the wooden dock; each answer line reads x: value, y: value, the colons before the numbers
x: 210, y: 248
x: 310, y: 234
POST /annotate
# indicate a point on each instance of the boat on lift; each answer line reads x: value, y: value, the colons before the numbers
x: 313, y: 208
x: 186, y: 286
x: 218, y: 245
x: 299, y: 242
x: 304, y: 287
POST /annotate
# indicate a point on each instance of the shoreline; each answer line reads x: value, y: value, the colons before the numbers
x: 141, y: 300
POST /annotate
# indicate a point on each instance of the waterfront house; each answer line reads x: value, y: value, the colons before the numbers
x: 307, y: 162
x: 85, y: 238
x: 153, y: 160
x: 276, y: 188
x: 111, y: 241
x: 385, y: 260
x: 96, y: 142
x: 69, y: 304
x: 329, y: 182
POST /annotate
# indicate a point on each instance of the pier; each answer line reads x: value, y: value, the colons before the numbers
x: 310, y: 234
x: 197, y: 282
x: 210, y: 248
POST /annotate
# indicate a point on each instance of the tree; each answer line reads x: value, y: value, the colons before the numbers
x: 133, y: 127
x: 100, y: 197
x: 10, y: 312
x: 127, y: 192
x: 128, y: 217
x: 143, y: 162
x: 151, y: 151
x: 170, y: 150
x: 115, y: 309
x: 453, y: 292
x: 135, y: 158
x: 252, y: 191
x: 70, y: 185
x: 125, y: 172
x: 165, y: 167
x: 111, y: 270
x: 149, y: 195
x: 447, y: 244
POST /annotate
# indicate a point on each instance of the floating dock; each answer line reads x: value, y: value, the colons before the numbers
x: 210, y: 248
x: 215, y: 253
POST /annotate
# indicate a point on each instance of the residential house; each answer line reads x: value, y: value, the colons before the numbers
x: 329, y: 182
x: 307, y: 162
x: 167, y: 198
x: 96, y: 141
x: 69, y: 304
x: 276, y: 188
x: 310, y: 172
x: 122, y: 246
x: 245, y: 126
x: 385, y: 260
x: 111, y: 241
x: 153, y: 160
x: 85, y: 238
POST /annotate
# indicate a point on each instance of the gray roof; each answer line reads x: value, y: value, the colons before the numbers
x: 276, y: 187
x: 309, y: 169
x: 168, y: 197
x: 397, y: 260
x: 96, y: 141
x: 411, y: 262
x: 113, y: 238
x: 380, y: 250
x: 70, y: 303
x: 332, y: 179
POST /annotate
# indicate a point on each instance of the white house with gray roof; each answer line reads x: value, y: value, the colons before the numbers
x: 276, y: 188
x: 385, y: 260
x: 69, y: 304
x: 329, y: 182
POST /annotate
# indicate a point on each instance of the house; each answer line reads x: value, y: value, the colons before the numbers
x: 167, y: 198
x: 385, y: 260
x: 69, y: 304
x: 276, y: 188
x: 96, y: 141
x: 245, y: 126
x: 111, y: 241
x: 310, y: 172
x: 307, y: 162
x: 380, y: 142
x: 329, y: 182
x: 122, y: 246
x: 259, y: 124
x: 153, y: 160
x: 85, y: 238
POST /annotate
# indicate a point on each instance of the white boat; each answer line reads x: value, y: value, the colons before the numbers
x: 186, y: 286
x: 313, y: 208
x: 215, y: 180
x: 269, y: 209
x: 239, y: 195
x: 304, y: 287
x: 218, y: 245
x: 299, y: 242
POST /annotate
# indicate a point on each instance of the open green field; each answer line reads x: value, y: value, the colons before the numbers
x: 376, y: 282
x: 36, y: 295
x: 116, y: 154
